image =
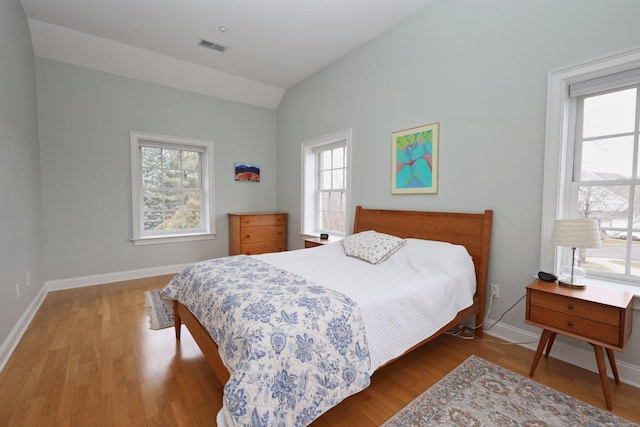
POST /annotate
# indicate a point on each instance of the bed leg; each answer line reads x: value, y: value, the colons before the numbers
x: 176, y: 319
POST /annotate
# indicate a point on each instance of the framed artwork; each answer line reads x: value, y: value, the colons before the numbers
x: 247, y: 172
x: 414, y: 160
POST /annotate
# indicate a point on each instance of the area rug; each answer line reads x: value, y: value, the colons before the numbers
x: 160, y: 310
x: 479, y: 393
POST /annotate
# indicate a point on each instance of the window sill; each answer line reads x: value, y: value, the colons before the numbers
x: 141, y: 241
x: 635, y: 290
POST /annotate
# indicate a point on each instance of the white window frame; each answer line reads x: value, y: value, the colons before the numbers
x: 140, y: 139
x: 309, y: 208
x: 559, y: 145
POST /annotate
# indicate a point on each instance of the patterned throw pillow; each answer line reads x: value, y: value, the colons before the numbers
x: 371, y: 246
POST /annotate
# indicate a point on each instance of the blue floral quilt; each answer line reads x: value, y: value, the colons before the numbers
x: 294, y: 349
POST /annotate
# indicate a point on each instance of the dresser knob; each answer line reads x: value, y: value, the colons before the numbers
x: 569, y: 323
x: 570, y: 306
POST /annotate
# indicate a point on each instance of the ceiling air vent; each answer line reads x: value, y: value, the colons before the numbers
x: 211, y: 45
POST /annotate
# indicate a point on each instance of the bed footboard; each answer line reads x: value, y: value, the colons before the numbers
x: 209, y: 348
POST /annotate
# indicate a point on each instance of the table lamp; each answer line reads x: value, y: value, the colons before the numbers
x: 575, y: 233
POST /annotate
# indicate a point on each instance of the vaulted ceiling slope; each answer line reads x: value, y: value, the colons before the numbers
x: 270, y: 44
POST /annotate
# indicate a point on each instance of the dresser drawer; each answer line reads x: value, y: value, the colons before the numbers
x: 262, y: 234
x: 575, y: 307
x: 587, y: 328
x: 261, y: 220
x: 263, y: 247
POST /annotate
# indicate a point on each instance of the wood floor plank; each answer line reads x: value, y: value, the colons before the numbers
x: 89, y: 359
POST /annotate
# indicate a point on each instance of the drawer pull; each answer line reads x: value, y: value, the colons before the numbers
x: 570, y: 306
x: 569, y: 323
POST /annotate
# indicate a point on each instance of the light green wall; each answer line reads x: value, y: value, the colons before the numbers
x: 480, y: 69
x: 21, y: 227
x: 84, y: 119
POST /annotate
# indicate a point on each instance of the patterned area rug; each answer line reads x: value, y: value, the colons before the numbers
x: 479, y: 393
x: 160, y: 310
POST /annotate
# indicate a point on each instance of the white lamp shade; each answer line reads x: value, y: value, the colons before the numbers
x: 576, y: 233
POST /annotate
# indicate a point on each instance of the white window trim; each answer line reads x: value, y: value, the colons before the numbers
x: 557, y: 156
x: 138, y: 139
x: 309, y: 176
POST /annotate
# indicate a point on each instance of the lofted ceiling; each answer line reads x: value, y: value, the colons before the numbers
x: 270, y: 44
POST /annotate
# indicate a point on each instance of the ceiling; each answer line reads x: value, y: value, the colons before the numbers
x: 270, y: 44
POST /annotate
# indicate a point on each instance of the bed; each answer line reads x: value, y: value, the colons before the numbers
x: 358, y: 347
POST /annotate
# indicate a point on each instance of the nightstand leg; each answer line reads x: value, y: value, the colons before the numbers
x: 552, y: 338
x: 544, y: 338
x: 603, y: 374
x: 612, y: 362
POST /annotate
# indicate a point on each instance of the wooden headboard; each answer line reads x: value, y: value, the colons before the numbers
x: 473, y: 231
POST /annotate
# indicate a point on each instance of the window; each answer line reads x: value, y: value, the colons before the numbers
x: 605, y: 184
x: 325, y: 185
x: 591, y: 163
x: 172, y: 186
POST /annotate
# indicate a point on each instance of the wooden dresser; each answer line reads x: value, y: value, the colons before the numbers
x: 257, y: 233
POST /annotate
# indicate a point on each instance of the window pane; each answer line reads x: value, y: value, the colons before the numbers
x: 609, y: 114
x: 173, y: 200
x: 635, y: 258
x: 324, y: 201
x: 152, y: 200
x: 610, y: 258
x: 338, y: 178
x: 151, y: 157
x: 325, y: 180
x: 171, y: 179
x: 335, y: 201
x: 170, y: 159
x: 190, y: 179
x: 151, y: 178
x: 608, y: 204
x: 338, y: 157
x: 325, y: 160
x: 191, y: 219
x: 190, y: 160
x: 607, y: 159
x: 152, y: 220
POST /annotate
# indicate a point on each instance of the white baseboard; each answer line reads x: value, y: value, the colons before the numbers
x: 101, y: 279
x: 14, y: 337
x: 629, y: 373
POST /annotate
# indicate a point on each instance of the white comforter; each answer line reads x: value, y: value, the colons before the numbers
x: 403, y: 300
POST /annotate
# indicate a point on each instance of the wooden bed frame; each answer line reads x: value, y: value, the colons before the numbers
x: 470, y: 230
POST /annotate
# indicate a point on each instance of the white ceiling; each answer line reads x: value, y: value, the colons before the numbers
x: 271, y: 44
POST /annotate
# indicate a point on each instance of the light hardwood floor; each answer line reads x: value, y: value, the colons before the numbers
x: 89, y: 358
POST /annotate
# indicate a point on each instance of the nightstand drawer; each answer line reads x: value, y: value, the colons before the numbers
x: 587, y: 328
x: 575, y: 307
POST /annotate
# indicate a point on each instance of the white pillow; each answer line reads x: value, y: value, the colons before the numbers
x: 371, y: 246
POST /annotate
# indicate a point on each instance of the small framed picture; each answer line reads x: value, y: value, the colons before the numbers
x: 414, y: 160
x: 247, y: 172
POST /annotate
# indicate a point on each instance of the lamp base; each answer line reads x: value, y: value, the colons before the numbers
x: 567, y: 284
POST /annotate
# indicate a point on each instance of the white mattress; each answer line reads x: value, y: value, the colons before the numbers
x: 403, y: 300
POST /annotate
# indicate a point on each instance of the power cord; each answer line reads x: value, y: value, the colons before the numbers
x: 468, y: 333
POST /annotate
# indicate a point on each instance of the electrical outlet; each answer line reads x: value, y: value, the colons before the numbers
x: 495, y: 290
x: 18, y: 290
x: 28, y: 279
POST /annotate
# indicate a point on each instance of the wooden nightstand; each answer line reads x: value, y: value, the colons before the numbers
x: 312, y: 242
x: 602, y: 317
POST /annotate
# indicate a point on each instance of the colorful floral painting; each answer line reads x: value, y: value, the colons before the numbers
x: 415, y: 160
